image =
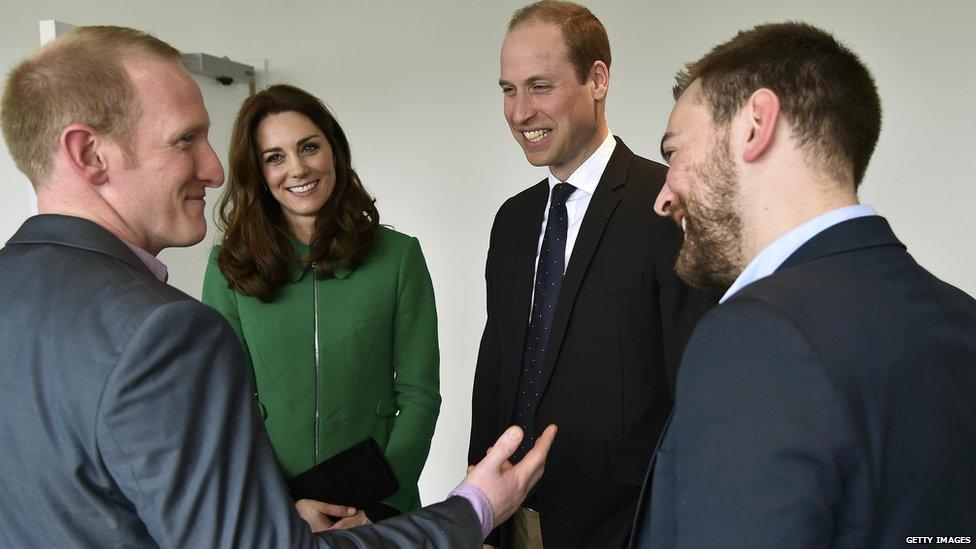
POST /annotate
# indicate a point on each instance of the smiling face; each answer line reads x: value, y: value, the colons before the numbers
x: 159, y: 191
x: 557, y: 120
x: 702, y: 195
x: 297, y: 164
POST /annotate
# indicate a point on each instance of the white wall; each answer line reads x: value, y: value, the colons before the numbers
x: 414, y: 85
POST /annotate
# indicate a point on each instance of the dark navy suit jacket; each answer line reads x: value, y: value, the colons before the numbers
x: 621, y: 321
x: 831, y: 404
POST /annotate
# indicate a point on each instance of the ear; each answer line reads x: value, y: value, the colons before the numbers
x: 83, y: 150
x: 600, y: 77
x: 763, y: 111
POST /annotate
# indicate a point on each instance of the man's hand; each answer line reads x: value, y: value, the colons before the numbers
x: 506, y: 485
x: 358, y: 519
x: 321, y: 515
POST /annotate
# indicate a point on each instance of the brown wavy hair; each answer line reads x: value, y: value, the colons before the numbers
x: 256, y: 255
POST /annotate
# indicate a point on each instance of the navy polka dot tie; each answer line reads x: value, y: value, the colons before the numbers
x: 548, y: 281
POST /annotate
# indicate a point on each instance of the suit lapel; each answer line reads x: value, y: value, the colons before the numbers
x: 598, y: 213
x: 519, y: 271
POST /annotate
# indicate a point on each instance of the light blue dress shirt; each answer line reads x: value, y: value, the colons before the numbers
x: 771, y: 257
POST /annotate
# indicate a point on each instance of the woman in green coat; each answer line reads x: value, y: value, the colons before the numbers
x: 336, y: 313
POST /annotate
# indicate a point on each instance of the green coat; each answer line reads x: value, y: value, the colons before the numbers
x: 377, y: 349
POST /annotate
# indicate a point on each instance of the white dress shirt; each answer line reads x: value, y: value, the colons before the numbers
x: 585, y: 178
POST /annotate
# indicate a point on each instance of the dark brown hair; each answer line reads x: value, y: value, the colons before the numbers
x: 78, y: 78
x: 585, y: 38
x: 826, y: 93
x: 256, y: 255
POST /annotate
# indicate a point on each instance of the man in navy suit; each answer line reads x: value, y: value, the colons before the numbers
x: 830, y: 400
x: 586, y: 318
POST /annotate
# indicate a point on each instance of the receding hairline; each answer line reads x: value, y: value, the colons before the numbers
x: 111, y: 38
x: 537, y: 21
x: 139, y: 63
x: 557, y: 12
x: 533, y: 19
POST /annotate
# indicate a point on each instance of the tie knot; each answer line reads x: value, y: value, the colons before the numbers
x: 560, y: 192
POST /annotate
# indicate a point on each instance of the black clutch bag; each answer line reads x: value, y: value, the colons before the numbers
x: 359, y: 476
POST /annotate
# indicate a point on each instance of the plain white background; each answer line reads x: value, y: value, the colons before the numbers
x: 414, y: 84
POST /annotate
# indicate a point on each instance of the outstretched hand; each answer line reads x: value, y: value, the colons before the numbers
x: 506, y: 485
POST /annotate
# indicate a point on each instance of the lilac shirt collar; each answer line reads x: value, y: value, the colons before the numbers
x: 771, y: 257
x: 151, y: 262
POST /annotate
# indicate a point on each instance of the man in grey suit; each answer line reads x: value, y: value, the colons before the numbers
x: 125, y: 405
x: 830, y: 399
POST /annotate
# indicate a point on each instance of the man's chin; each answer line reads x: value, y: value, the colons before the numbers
x: 536, y: 161
x: 189, y: 238
x: 700, y: 272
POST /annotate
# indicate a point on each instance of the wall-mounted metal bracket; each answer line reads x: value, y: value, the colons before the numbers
x: 223, y: 69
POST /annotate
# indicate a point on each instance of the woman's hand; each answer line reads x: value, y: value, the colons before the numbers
x: 358, y: 519
x: 321, y: 515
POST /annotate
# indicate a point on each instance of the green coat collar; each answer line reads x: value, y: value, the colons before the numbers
x: 339, y: 270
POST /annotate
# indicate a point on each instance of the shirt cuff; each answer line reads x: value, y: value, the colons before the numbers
x: 482, y: 507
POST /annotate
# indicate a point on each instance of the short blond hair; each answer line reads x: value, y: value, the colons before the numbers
x: 78, y: 78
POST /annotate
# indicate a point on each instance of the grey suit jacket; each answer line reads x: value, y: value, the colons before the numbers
x: 831, y: 404
x: 127, y: 418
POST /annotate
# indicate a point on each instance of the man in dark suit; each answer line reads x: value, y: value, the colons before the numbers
x: 830, y: 400
x: 586, y: 317
x: 125, y: 405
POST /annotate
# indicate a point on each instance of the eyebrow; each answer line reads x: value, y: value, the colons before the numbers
x: 530, y: 80
x: 300, y: 142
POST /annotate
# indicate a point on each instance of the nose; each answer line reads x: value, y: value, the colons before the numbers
x: 522, y: 109
x: 665, y: 201
x: 211, y: 172
x: 297, y: 167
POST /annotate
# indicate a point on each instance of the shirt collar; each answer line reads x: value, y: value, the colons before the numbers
x: 588, y: 174
x: 772, y: 256
x: 151, y: 262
